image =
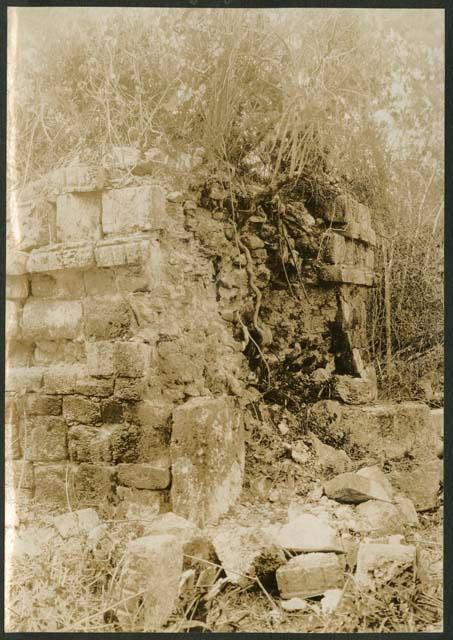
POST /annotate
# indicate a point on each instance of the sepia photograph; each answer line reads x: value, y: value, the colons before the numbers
x: 224, y: 333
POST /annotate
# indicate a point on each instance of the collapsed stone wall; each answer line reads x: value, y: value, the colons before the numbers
x: 126, y: 374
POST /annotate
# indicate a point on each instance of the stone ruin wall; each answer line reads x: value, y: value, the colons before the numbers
x: 126, y: 378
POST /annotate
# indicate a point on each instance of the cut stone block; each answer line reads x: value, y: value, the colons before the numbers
x: 111, y: 411
x: 407, y: 510
x: 76, y: 522
x: 335, y: 249
x: 375, y: 473
x: 43, y: 319
x: 12, y: 320
x: 329, y: 459
x: 437, y: 420
x: 150, y: 413
x: 100, y: 358
x: 59, y: 285
x: 79, y: 256
x: 19, y: 474
x: 383, y: 561
x: 78, y: 217
x: 88, y: 386
x: 91, y: 444
x: 380, y: 517
x: 307, y: 533
x: 116, y: 254
x: 151, y: 574
x: 310, y: 574
x: 94, y: 483
x: 23, y: 379
x: 40, y: 405
x: 146, y: 497
x: 207, y: 451
x: 16, y: 262
x: 16, y: 287
x: 77, y: 410
x: 30, y: 224
x: 152, y: 475
x: 350, y: 487
x: 12, y: 441
x: 125, y: 359
x: 245, y: 552
x: 46, y: 439
x: 133, y: 209
x: 75, y: 178
x: 347, y: 275
x: 61, y: 380
x: 130, y: 389
x: 354, y: 390
x: 421, y: 484
x: 53, y: 483
x: 106, y: 318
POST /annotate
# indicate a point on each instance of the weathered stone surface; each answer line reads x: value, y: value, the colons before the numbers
x: 146, y: 497
x: 78, y: 256
x: 331, y: 601
x: 125, y: 359
x: 30, y: 224
x: 76, y: 522
x: 382, y: 561
x: 60, y: 380
x: 407, y: 510
x: 152, y: 569
x: 33, y: 542
x: 152, y: 475
x: 133, y: 209
x: 353, y: 488
x: 100, y: 358
x: 59, y: 285
x: 335, y: 248
x: 307, y: 533
x: 12, y: 441
x: 88, y: 386
x: 354, y: 390
x: 16, y: 262
x: 294, y: 604
x: 437, y: 421
x: 91, y: 444
x: 23, y: 379
x: 329, y: 459
x: 346, y: 274
x: 93, y: 483
x: 150, y: 413
x: 116, y: 254
x: 78, y: 217
x: 207, y: 451
x: 53, y: 482
x: 77, y: 410
x: 75, y: 178
x: 111, y: 411
x: 246, y: 552
x: 12, y: 320
x: 309, y: 574
x: 106, y: 318
x: 19, y: 474
x: 130, y: 389
x: 380, y: 517
x: 375, y: 473
x: 41, y: 405
x: 421, y: 484
x: 140, y: 513
x: 16, y: 287
x: 45, y: 439
x: 48, y: 318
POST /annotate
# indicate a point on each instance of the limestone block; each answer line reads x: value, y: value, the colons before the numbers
x: 353, y: 488
x: 19, y: 474
x: 207, y: 452
x: 100, y: 358
x: 152, y: 475
x: 93, y: 483
x: 80, y: 410
x: 61, y: 285
x: 53, y: 483
x: 131, y: 359
x: 12, y: 320
x: 12, y: 441
x: 130, y: 389
x: 30, y: 224
x: 42, y: 405
x: 45, y: 439
x: 78, y: 217
x: 116, y: 254
x: 437, y: 421
x: 75, y: 178
x: 99, y: 281
x: 346, y: 275
x: 88, y: 386
x: 60, y: 380
x: 133, y: 209
x: 335, y: 248
x: 421, y: 483
x: 380, y: 517
x: 78, y: 256
x: 76, y: 522
x: 407, y: 510
x: 91, y: 444
x: 307, y: 533
x: 106, y: 318
x: 150, y: 413
x: 111, y: 411
x: 152, y: 569
x: 309, y: 574
x: 16, y: 262
x: 44, y: 319
x: 383, y: 561
x: 146, y: 497
x: 330, y: 459
x: 16, y: 287
x: 23, y: 378
x: 345, y: 209
x: 354, y: 390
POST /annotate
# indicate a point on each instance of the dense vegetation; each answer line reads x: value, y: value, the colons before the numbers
x: 308, y: 101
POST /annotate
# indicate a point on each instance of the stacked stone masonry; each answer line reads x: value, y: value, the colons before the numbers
x: 124, y: 380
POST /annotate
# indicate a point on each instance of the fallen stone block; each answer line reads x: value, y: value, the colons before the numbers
x: 353, y: 488
x: 133, y: 209
x: 80, y: 410
x: 354, y: 390
x: 407, y: 510
x: 383, y: 562
x: 207, y: 454
x: 310, y: 574
x: 152, y: 475
x: 380, y: 517
x: 307, y: 533
x: 45, y: 439
x: 58, y: 319
x: 246, y: 552
x: 421, y: 484
x: 78, y: 217
x: 76, y: 522
x: 331, y: 601
x: 294, y: 604
x: 329, y: 459
x: 374, y: 473
x: 151, y: 574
